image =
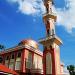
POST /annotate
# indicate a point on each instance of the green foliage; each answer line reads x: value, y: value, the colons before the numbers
x: 2, y: 47
x: 71, y: 69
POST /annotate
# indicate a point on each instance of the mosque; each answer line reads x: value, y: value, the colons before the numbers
x: 27, y: 59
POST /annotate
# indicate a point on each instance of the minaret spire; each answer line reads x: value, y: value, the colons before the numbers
x: 48, y: 5
x: 49, y: 18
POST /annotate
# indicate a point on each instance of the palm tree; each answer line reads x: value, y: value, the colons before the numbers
x: 71, y: 69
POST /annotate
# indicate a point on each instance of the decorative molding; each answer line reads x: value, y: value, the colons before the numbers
x: 22, y: 47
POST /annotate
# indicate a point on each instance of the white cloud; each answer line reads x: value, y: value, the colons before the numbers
x: 65, y: 17
x: 29, y: 7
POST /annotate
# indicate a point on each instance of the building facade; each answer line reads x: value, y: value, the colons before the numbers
x: 25, y: 58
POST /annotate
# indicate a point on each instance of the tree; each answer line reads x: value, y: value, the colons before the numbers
x: 2, y: 47
x: 71, y: 69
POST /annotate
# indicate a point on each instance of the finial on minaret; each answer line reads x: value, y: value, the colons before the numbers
x: 48, y: 5
x: 49, y: 18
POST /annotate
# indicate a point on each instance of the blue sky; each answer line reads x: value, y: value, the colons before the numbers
x: 22, y: 20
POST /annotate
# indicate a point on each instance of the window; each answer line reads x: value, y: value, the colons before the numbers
x: 53, y: 32
x: 1, y: 59
x: 47, y: 9
x: 48, y: 63
x: 18, y: 61
x: 48, y: 23
x: 6, y: 63
x: 35, y: 61
x: 7, y: 60
x: 48, y: 32
x: 11, y: 65
x: 17, y: 65
x: 29, y: 60
x: 7, y: 57
x: 28, y: 64
x: 19, y: 54
x: 12, y: 56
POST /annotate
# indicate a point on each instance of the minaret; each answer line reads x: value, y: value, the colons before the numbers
x: 49, y: 18
x: 51, y: 52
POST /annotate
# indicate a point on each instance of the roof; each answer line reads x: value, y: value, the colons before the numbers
x: 4, y: 69
x: 29, y: 42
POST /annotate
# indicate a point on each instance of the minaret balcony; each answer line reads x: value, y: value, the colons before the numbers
x: 50, y: 40
x: 46, y: 16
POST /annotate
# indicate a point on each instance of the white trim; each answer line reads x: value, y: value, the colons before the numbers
x: 21, y: 47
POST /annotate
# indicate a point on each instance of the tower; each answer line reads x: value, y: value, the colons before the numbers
x: 51, y: 52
